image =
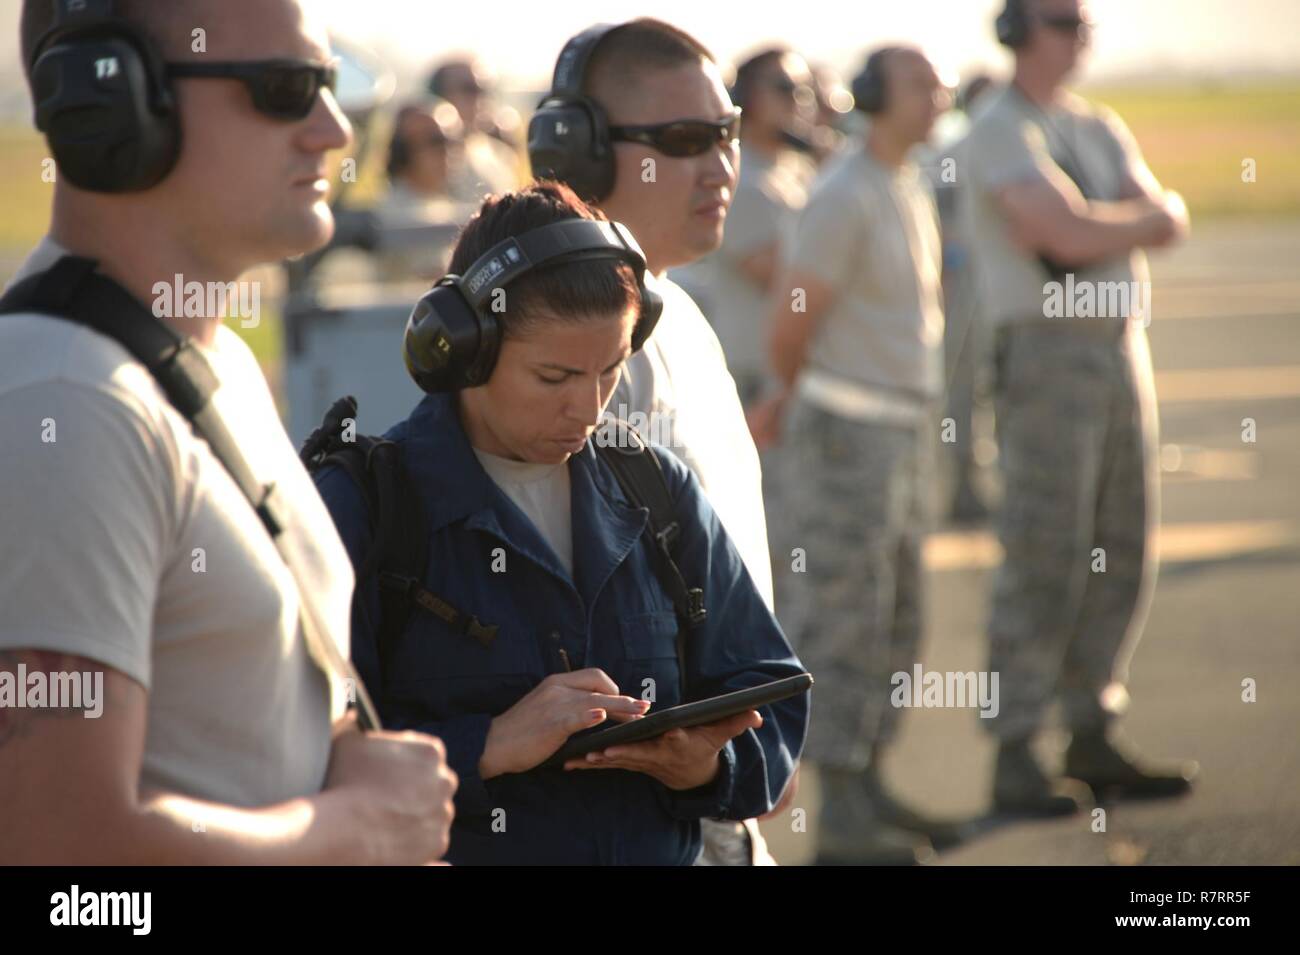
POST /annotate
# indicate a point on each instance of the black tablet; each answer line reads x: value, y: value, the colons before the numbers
x: 688, y: 714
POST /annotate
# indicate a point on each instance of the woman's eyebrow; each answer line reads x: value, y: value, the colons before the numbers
x: 574, y: 371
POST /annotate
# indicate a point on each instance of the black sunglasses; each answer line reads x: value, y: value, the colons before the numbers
x: 1067, y: 23
x: 281, y: 89
x: 683, y: 137
x: 787, y: 87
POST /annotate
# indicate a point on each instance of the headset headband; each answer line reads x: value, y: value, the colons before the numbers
x: 571, y: 65
x: 74, y: 16
x: 571, y: 240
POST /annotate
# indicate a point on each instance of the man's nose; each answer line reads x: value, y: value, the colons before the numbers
x: 326, y: 126
x: 720, y: 165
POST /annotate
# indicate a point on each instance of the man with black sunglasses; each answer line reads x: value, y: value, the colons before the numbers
x: 673, y: 131
x: 1057, y: 194
x: 129, y: 554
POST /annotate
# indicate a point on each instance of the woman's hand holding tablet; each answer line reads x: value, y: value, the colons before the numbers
x: 682, y: 758
x: 532, y: 730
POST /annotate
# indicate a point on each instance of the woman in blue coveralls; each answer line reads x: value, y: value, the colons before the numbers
x: 530, y: 533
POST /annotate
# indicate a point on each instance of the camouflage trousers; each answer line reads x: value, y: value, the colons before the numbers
x: 855, y: 497
x: 1076, y: 422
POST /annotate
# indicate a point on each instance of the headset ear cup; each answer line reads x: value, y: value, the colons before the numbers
x: 1012, y: 25
x: 568, y: 140
x: 652, y: 307
x: 868, y: 87
x: 865, y: 92
x: 398, y: 156
x: 109, y: 121
x: 447, y: 346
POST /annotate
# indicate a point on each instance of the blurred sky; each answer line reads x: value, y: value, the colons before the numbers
x: 1205, y: 37
x: 1210, y: 36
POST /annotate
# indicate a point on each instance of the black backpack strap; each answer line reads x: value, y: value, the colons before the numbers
x: 402, y: 544
x: 73, y: 290
x: 399, y: 547
x: 642, y: 479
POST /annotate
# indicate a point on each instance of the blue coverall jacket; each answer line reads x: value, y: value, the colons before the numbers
x: 612, y: 613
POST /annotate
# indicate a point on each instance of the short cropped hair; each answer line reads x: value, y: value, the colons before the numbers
x: 639, y: 46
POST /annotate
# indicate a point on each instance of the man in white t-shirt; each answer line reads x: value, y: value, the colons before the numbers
x: 646, y: 74
x: 132, y: 569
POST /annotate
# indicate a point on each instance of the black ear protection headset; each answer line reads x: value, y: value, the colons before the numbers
x: 102, y: 99
x: 568, y: 136
x: 1013, y: 24
x: 870, y: 94
x: 453, y: 336
x: 399, y: 150
x: 399, y: 154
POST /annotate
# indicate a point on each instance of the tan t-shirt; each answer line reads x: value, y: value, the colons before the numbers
x: 542, y: 492
x: 1012, y: 141
x: 769, y: 195
x: 122, y: 539
x: 872, y: 234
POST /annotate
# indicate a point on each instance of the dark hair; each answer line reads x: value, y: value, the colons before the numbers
x: 570, y: 291
x: 747, y: 72
x: 637, y: 46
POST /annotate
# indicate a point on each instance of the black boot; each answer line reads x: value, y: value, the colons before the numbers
x: 967, y: 508
x: 1020, y: 787
x: 1106, y: 761
x: 849, y: 832
x: 941, y: 833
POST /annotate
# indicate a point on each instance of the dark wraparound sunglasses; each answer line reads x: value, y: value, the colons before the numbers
x: 1067, y: 23
x: 683, y: 137
x: 281, y: 89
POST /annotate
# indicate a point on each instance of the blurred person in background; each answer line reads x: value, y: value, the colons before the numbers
x: 834, y: 111
x: 773, y: 89
x: 964, y: 339
x: 638, y: 120
x: 492, y: 161
x: 856, y: 343
x: 1056, y: 191
x: 425, y: 153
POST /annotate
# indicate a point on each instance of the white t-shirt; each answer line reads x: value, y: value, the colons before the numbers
x: 677, y: 392
x: 122, y: 539
x: 541, y: 491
